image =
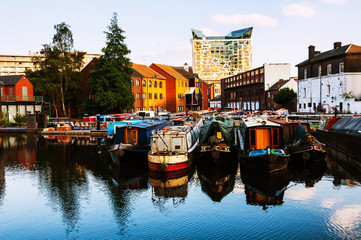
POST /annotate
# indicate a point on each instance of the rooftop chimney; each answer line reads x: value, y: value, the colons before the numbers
x: 186, y: 67
x: 311, y: 52
x: 336, y: 45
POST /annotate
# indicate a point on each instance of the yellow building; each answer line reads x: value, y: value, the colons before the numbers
x: 149, y: 88
x: 218, y: 57
x: 18, y: 64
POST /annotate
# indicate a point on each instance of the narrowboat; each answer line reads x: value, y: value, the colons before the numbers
x: 301, y: 145
x: 218, y: 139
x: 171, y: 147
x: 134, y: 139
x: 261, y: 145
x: 305, y: 147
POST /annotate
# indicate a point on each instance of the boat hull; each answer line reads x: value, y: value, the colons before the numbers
x: 268, y: 163
x: 125, y: 152
x: 312, y: 154
x: 168, y: 163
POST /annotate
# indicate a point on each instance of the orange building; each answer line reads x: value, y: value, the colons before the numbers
x: 177, y: 86
x: 149, y: 89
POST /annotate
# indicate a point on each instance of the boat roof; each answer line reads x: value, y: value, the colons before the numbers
x: 283, y: 121
x: 259, y: 122
x: 147, y: 124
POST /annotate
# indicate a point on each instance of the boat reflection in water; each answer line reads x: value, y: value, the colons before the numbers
x: 309, y: 173
x: 130, y: 176
x: 217, y: 178
x: 170, y: 185
x: 264, y: 189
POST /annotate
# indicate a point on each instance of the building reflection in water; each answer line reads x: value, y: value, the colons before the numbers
x: 170, y: 186
x: 264, y: 189
x: 217, y: 178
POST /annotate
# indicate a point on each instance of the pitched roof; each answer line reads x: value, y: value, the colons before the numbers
x: 145, y: 71
x: 278, y: 85
x: 185, y: 73
x: 10, y: 80
x: 171, y: 71
x: 217, y: 98
x: 349, y: 48
x: 136, y: 74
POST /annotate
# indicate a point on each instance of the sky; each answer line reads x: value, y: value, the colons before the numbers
x: 159, y: 31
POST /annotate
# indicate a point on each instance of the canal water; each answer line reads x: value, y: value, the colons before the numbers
x: 63, y: 188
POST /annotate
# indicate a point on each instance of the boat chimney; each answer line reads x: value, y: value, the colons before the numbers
x: 286, y: 119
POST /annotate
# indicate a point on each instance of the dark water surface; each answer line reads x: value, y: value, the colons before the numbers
x: 63, y: 188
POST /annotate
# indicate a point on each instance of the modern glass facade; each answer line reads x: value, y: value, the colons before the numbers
x: 217, y: 57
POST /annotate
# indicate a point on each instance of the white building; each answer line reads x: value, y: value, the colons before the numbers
x: 330, y: 80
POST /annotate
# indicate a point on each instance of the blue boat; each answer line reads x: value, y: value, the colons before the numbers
x: 134, y: 139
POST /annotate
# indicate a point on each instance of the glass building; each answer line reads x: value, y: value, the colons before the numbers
x: 217, y: 57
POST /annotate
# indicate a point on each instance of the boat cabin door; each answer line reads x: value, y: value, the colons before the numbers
x: 260, y: 138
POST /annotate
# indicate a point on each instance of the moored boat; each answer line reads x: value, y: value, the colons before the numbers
x: 134, y: 139
x: 171, y: 147
x: 218, y: 139
x: 301, y: 145
x: 262, y: 146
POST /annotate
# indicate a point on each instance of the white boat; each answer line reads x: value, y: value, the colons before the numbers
x: 170, y: 147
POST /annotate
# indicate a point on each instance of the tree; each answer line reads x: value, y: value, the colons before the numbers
x: 284, y: 96
x: 59, y: 74
x: 110, y: 81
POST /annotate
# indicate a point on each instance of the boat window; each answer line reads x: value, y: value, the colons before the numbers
x: 275, y: 137
x: 131, y: 136
x: 253, y: 137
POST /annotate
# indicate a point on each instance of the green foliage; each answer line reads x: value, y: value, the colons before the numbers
x: 111, y: 78
x: 348, y: 95
x: 284, y: 96
x: 19, y: 119
x: 59, y: 76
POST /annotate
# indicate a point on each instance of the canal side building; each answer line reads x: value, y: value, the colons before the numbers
x: 149, y: 89
x: 16, y: 96
x: 176, y: 89
x: 196, y: 97
x: 275, y: 88
x: 330, y: 80
x: 247, y: 90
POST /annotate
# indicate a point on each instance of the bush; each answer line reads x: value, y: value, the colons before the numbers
x: 19, y: 119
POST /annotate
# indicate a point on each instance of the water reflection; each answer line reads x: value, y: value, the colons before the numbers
x: 309, y: 173
x: 217, y: 178
x: 170, y: 186
x: 264, y: 189
x: 71, y: 179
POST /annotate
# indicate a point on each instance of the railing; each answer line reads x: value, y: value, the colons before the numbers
x: 8, y: 98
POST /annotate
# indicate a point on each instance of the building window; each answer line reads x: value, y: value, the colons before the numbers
x: 150, y: 96
x: 319, y: 71
x: 143, y: 83
x: 304, y: 92
x: 155, y: 84
x: 185, y: 84
x: 138, y: 95
x: 144, y: 109
x: 160, y: 84
x: 180, y: 109
x: 132, y: 82
x: 304, y: 105
x: 328, y: 89
x: 10, y: 91
x: 160, y: 96
x: 178, y: 83
x: 138, y: 109
x: 342, y: 67
x: 150, y: 83
x: 329, y: 69
x: 156, y: 109
x: 300, y: 106
x: 155, y: 96
x: 150, y: 108
x: 182, y: 84
x: 143, y: 96
x: 305, y: 74
x: 138, y: 83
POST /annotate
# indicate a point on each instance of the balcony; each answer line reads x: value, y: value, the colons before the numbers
x: 8, y: 98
